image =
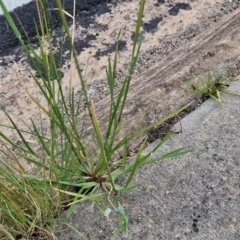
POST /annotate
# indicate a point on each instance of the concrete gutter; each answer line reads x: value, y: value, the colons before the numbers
x: 195, y: 196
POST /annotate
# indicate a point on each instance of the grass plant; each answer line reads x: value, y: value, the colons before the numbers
x: 213, y: 85
x: 64, y: 170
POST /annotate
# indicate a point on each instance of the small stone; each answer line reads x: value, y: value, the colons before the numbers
x: 135, y: 18
x: 7, y: 60
x: 127, y: 16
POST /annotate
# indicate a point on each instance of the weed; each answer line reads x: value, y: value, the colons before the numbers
x: 213, y: 85
x: 64, y: 168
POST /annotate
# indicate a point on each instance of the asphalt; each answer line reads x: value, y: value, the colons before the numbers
x: 194, y: 196
x: 26, y: 20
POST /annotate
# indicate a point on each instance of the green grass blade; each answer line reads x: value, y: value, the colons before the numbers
x: 100, y: 142
x: 124, y: 221
x: 136, y: 164
x: 20, y: 134
x: 139, y: 133
x: 175, y: 153
x: 40, y: 138
x: 231, y: 92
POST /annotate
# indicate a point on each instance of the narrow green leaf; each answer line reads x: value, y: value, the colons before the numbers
x: 20, y: 134
x: 124, y: 221
x: 175, y: 153
x: 139, y: 133
x: 136, y: 164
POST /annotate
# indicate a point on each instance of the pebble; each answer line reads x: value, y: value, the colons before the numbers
x: 7, y: 60
x: 127, y: 16
x: 3, y: 75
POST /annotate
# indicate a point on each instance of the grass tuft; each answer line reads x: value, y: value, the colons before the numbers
x: 213, y: 85
x: 48, y: 172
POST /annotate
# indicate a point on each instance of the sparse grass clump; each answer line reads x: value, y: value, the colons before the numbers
x: 63, y: 168
x: 213, y: 85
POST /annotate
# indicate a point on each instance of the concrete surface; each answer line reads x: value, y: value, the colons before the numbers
x: 195, y: 196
